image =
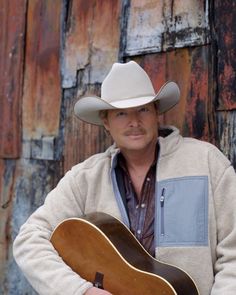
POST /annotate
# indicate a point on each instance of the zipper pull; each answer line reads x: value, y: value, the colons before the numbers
x: 162, y: 198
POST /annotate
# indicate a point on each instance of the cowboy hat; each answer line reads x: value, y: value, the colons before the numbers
x: 126, y: 85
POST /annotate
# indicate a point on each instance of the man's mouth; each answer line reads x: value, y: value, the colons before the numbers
x: 134, y: 132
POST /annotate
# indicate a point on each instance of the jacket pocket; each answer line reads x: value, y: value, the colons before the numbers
x: 182, y: 212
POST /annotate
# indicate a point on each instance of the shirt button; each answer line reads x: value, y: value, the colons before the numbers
x: 148, y: 179
x: 138, y: 231
x: 137, y: 206
x: 143, y: 205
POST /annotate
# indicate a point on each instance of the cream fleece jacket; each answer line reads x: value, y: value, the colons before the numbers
x: 195, y: 231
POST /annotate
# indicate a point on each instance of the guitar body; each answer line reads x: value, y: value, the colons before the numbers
x: 100, y: 244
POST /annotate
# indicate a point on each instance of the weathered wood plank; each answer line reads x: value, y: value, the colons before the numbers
x: 33, y: 180
x: 224, y: 28
x: 7, y: 179
x: 90, y: 50
x: 12, y: 19
x: 92, y: 40
x: 189, y: 67
x: 42, y: 91
x: 155, y: 26
x: 81, y: 139
x: 226, y: 122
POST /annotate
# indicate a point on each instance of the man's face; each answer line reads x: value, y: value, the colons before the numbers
x: 133, y: 128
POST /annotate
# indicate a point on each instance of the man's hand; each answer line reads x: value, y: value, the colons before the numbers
x: 96, y: 291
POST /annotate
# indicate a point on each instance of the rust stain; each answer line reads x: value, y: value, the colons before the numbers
x: 92, y: 46
x: 42, y: 85
x: 189, y: 68
x: 225, y: 23
x: 11, y: 66
x: 92, y: 39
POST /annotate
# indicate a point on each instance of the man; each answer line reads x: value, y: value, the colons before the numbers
x: 177, y: 195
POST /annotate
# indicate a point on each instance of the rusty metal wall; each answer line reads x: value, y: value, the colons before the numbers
x: 53, y: 52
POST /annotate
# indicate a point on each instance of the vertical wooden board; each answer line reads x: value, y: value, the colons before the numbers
x: 12, y: 30
x: 188, y: 67
x: 7, y: 178
x: 92, y: 46
x: 145, y: 27
x: 226, y: 122
x: 92, y: 40
x: 33, y: 180
x: 81, y: 139
x: 154, y: 25
x: 225, y: 24
x: 77, y: 39
x: 106, y: 39
x: 42, y: 91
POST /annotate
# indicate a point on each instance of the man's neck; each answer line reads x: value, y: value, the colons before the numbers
x: 138, y: 164
x: 141, y: 159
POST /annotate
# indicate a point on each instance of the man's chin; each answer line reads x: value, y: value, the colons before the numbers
x: 135, y: 147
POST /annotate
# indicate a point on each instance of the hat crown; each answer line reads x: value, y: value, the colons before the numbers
x: 125, y: 81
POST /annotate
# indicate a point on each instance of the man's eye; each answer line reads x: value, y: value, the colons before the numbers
x: 144, y: 110
x: 120, y: 114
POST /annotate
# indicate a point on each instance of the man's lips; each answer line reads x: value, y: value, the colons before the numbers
x: 134, y: 133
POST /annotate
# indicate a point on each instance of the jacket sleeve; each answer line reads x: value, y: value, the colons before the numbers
x: 34, y: 253
x: 225, y: 208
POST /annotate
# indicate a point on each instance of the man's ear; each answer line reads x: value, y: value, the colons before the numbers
x: 106, y: 124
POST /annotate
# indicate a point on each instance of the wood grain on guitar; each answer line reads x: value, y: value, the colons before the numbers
x: 98, y: 244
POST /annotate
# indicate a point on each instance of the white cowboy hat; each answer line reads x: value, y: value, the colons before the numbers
x: 126, y: 85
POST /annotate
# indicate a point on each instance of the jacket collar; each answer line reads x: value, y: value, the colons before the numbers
x: 169, y: 143
x: 169, y: 140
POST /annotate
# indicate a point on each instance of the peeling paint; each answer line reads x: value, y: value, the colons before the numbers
x: 156, y: 26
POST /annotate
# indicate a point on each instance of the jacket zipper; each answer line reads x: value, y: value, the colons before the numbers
x: 162, y: 203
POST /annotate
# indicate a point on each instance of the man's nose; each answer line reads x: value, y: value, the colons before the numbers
x: 134, y: 119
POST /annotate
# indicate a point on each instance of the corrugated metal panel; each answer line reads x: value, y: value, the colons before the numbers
x: 225, y: 24
x: 155, y: 26
x: 189, y: 68
x: 92, y: 40
x: 42, y: 92
x: 12, y: 19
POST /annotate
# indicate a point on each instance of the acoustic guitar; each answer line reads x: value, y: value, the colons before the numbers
x: 101, y: 249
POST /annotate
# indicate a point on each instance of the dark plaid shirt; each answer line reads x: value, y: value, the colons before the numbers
x: 141, y: 211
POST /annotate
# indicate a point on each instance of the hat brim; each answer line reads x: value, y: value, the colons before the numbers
x: 87, y: 108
